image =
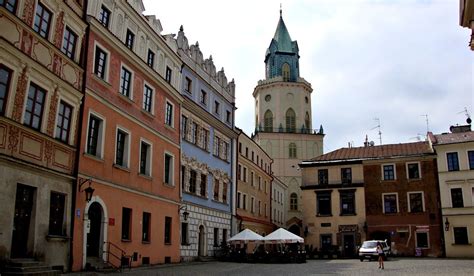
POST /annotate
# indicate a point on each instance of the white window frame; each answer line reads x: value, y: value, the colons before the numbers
x: 149, y: 164
x: 239, y: 200
x: 132, y: 76
x: 134, y: 39
x: 77, y: 46
x: 383, y: 202
x: 394, y: 171
x: 171, y: 173
x: 428, y: 239
x: 451, y: 197
x: 152, y: 111
x: 107, y: 62
x: 422, y: 200
x: 72, y: 122
x: 419, y: 170
x: 172, y: 114
x: 101, y: 139
x: 454, y: 238
x: 252, y: 204
x: 127, y: 147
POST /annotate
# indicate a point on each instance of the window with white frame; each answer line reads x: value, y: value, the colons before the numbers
x: 416, y: 202
x: 168, y: 74
x: 63, y: 121
x: 126, y: 78
x: 69, y: 43
x: 129, y: 39
x: 150, y: 59
x: 453, y: 161
x: 388, y: 171
x: 239, y: 195
x: 43, y: 19
x: 145, y: 158
x: 460, y: 235
x: 457, y: 198
x: 169, y: 169
x: 104, y: 16
x: 413, y: 170
x: 188, y: 85
x: 101, y: 63
x: 169, y: 114
x: 95, y: 135
x: 390, y: 203
x: 148, y: 98
x: 470, y: 159
x: 252, y: 204
x: 122, y: 148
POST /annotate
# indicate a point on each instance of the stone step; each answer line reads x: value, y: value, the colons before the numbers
x: 42, y: 267
x: 34, y: 273
x: 24, y: 262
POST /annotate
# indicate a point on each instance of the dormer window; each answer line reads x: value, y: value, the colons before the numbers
x: 285, y: 72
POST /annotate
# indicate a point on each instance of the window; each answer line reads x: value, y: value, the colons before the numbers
x: 192, y: 181
x: 294, y: 202
x: 126, y: 223
x: 239, y: 195
x: 224, y: 236
x: 146, y: 227
x: 323, y: 177
x: 415, y: 202
x: 422, y: 240
x: 203, y: 184
x: 104, y: 16
x: 63, y: 125
x: 121, y: 148
x: 306, y: 119
x: 244, y: 202
x: 94, y: 133
x: 259, y: 182
x: 456, y: 198
x: 285, y: 72
x: 217, y: 145
x: 460, y: 235
x: 188, y: 85
x: 388, y: 172
x: 129, y: 39
x: 413, y: 170
x: 194, y: 129
x: 326, y: 242
x: 169, y: 165
x: 10, y: 5
x: 239, y: 172
x: 168, y: 74
x: 470, y: 156
x: 42, y: 21
x: 252, y: 204
x: 205, y: 139
x: 346, y: 175
x: 290, y: 120
x: 390, y: 203
x: 184, y: 126
x: 56, y: 214
x: 5, y: 75
x: 227, y: 116
x: 453, y: 162
x: 203, y: 97
x: 245, y: 174
x: 259, y: 208
x: 168, y: 230
x: 323, y: 204
x: 216, y: 107
x: 145, y: 160
x: 224, y: 192
x: 268, y: 121
x: 69, y: 43
x: 125, y: 82
x: 252, y: 179
x: 150, y: 60
x: 100, y: 63
x: 169, y: 114
x: 34, y: 106
x: 184, y: 233
x: 216, y: 237
x: 147, y: 98
x: 292, y: 150
x: 216, y: 189
x: 347, y: 202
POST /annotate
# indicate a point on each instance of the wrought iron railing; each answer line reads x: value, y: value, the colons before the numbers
x: 116, y: 257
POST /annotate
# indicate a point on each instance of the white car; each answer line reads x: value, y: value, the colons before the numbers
x: 368, y: 250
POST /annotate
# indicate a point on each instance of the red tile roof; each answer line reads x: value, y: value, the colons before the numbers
x: 376, y: 152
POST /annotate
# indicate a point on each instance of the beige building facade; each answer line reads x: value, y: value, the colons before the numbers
x: 466, y: 18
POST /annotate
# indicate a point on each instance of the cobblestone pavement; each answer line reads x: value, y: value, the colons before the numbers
x: 395, y: 266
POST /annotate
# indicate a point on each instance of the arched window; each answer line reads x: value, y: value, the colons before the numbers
x: 294, y: 202
x: 268, y: 121
x: 290, y: 120
x: 306, y: 122
x: 285, y: 72
x: 292, y: 150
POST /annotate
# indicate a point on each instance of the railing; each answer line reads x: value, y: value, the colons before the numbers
x: 116, y: 257
x: 289, y: 130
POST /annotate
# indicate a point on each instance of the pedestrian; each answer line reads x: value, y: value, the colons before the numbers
x: 381, y: 255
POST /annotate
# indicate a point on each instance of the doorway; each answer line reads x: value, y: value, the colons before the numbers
x: 202, y: 241
x: 22, y: 220
x: 348, y: 241
x: 94, y: 236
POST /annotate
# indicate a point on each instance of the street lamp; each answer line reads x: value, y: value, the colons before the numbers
x: 185, y: 213
x: 446, y: 225
x: 89, y: 190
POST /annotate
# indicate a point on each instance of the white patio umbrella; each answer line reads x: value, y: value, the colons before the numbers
x: 246, y: 236
x: 282, y: 236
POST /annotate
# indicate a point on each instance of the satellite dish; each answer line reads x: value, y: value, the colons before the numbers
x: 468, y: 120
x: 371, y: 143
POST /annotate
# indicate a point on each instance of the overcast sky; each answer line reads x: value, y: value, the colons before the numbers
x: 395, y: 60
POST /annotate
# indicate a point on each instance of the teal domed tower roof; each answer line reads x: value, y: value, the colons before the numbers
x: 281, y: 58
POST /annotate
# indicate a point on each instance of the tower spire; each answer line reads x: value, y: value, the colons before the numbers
x: 280, y: 10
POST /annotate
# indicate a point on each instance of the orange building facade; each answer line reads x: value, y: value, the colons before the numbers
x: 130, y: 148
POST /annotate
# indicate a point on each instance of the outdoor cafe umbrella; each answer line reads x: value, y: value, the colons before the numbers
x: 282, y: 236
x: 246, y: 236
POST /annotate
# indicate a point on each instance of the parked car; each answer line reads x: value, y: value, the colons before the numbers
x: 368, y: 250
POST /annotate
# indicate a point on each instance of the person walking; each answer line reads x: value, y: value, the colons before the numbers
x: 381, y: 255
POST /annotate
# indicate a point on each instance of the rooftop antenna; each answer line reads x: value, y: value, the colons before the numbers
x: 468, y: 120
x: 379, y: 128
x: 427, y: 122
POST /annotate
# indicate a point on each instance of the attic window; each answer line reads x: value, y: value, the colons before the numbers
x: 285, y: 72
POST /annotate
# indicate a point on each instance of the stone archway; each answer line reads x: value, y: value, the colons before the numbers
x: 100, y: 224
x: 202, y: 241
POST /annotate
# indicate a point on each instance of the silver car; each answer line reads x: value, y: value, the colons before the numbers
x: 368, y: 250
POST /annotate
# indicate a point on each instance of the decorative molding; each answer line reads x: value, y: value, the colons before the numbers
x: 28, y: 12
x: 58, y: 34
x: 20, y: 95
x: 13, y: 138
x: 52, y: 113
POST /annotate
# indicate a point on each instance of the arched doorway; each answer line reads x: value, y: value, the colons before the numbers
x: 202, y: 241
x: 94, y: 237
x: 295, y: 229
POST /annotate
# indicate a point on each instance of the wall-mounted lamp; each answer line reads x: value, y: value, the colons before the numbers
x: 89, y: 190
x: 446, y: 225
x: 185, y: 213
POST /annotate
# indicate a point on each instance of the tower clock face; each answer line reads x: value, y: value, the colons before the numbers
x: 268, y: 98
